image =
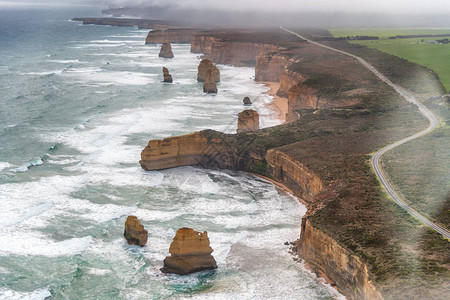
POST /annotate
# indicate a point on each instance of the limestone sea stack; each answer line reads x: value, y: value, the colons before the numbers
x: 190, y: 252
x: 247, y: 101
x: 209, y: 86
x: 203, y: 67
x: 167, y: 76
x: 135, y: 232
x: 248, y: 120
x: 166, y: 51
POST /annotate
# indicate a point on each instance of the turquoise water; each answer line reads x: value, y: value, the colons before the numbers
x: 77, y: 106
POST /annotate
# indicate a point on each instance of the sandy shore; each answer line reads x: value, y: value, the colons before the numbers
x: 280, y: 105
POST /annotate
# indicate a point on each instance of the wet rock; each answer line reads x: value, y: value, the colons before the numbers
x: 167, y: 76
x: 166, y: 51
x: 248, y: 120
x: 286, y: 243
x: 190, y: 252
x: 203, y: 68
x: 135, y: 232
x: 209, y: 86
x: 247, y: 101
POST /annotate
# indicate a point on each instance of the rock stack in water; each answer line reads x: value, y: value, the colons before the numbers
x: 166, y: 51
x: 247, y: 101
x: 190, y: 252
x: 248, y: 120
x: 209, y: 86
x: 135, y: 232
x: 167, y: 76
x: 203, y: 67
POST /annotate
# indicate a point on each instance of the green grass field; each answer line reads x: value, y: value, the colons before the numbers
x: 433, y: 56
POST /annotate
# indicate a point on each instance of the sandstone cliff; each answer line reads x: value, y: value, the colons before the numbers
x: 248, y: 120
x: 166, y: 51
x: 229, y: 52
x: 344, y: 268
x: 269, y: 66
x: 186, y: 150
x: 301, y: 180
x: 178, y: 36
x: 203, y: 68
x: 190, y: 252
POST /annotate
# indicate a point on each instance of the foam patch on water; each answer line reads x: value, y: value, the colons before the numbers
x: 4, y: 165
x: 99, y: 272
x: 18, y: 243
x: 41, y: 294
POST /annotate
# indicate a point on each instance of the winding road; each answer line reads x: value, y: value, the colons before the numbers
x: 375, y: 161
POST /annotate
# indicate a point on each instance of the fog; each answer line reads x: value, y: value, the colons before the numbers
x: 321, y: 6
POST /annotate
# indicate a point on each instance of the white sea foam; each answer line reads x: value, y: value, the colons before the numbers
x: 99, y: 272
x: 4, y: 165
x: 65, y: 61
x: 41, y: 294
x: 15, y: 243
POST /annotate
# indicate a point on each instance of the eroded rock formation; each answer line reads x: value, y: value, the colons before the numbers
x: 167, y: 76
x: 203, y: 68
x: 247, y: 101
x: 190, y: 252
x: 270, y: 66
x: 135, y: 232
x: 248, y: 120
x: 210, y: 86
x: 166, y: 51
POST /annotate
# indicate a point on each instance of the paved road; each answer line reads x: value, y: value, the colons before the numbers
x: 434, y: 122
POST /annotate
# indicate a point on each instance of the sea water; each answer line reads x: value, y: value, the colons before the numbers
x: 77, y: 106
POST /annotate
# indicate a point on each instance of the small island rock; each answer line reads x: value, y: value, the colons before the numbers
x: 135, y: 232
x: 203, y: 67
x: 209, y: 86
x: 166, y: 51
x: 247, y: 101
x: 248, y: 120
x: 167, y: 76
x: 190, y: 252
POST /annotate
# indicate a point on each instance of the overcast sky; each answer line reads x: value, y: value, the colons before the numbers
x: 378, y: 6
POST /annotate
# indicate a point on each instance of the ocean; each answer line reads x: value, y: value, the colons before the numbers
x: 78, y: 103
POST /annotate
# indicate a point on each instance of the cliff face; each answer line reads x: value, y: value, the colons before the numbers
x: 186, y: 150
x: 347, y: 270
x: 179, y: 36
x: 288, y: 79
x: 248, y: 120
x: 302, y: 181
x: 270, y: 66
x: 229, y: 52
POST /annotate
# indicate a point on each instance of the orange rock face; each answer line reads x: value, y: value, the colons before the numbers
x: 248, y: 120
x: 210, y: 86
x: 166, y: 51
x: 135, y: 232
x: 190, y: 252
x: 203, y: 68
x: 270, y: 66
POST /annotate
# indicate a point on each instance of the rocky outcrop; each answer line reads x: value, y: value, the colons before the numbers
x: 190, y: 252
x: 270, y: 66
x: 209, y: 86
x: 247, y: 101
x: 202, y: 42
x: 166, y: 51
x: 302, y: 181
x: 167, y: 76
x: 123, y: 22
x: 197, y: 148
x: 248, y: 120
x: 341, y: 266
x: 175, y: 35
x: 135, y: 233
x: 203, y: 68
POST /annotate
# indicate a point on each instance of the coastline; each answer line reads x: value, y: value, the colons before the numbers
x: 278, y: 104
